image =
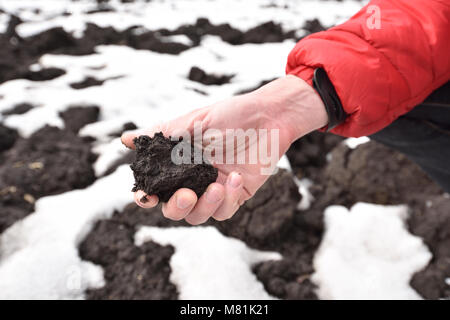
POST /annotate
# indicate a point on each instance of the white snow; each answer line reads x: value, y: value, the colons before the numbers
x: 367, y: 253
x: 303, y: 188
x: 208, y: 265
x: 353, y: 143
x: 284, y: 163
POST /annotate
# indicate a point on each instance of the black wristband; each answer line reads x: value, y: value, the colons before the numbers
x: 326, y: 91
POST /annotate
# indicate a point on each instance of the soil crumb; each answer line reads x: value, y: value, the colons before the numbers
x: 76, y: 117
x: 198, y: 75
x: 20, y: 108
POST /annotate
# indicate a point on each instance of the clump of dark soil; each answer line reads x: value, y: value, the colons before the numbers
x: 101, y: 8
x: 86, y: 83
x: 373, y: 173
x: 77, y: 117
x: 8, y: 137
x: 198, y: 75
x: 44, y: 74
x: 20, y: 108
x: 263, y: 221
x: 433, y: 226
x: 313, y: 26
x: 131, y: 272
x: 15, y: 204
x: 156, y: 174
x: 50, y: 162
x: 308, y: 155
x: 126, y: 127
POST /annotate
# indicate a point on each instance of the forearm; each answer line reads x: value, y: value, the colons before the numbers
x: 292, y: 105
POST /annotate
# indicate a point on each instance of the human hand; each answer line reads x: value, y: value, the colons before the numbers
x: 287, y: 106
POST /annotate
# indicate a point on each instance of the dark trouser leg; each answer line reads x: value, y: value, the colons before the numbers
x: 423, y: 135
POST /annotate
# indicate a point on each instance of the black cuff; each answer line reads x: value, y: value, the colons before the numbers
x: 325, y: 89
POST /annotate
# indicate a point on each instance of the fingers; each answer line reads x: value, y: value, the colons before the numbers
x: 233, y: 191
x: 219, y: 201
x: 180, y: 204
x: 207, y: 205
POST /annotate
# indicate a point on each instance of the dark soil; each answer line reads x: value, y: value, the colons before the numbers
x: 266, y: 32
x: 15, y: 204
x: 130, y: 272
x: 308, y: 155
x: 44, y: 74
x: 101, y: 8
x: 20, y: 108
x: 77, y: 117
x: 198, y: 75
x: 50, y: 162
x: 313, y: 26
x: 8, y: 137
x: 433, y: 225
x: 156, y: 174
x: 86, y: 83
x: 375, y: 174
x: 126, y: 127
x: 264, y: 220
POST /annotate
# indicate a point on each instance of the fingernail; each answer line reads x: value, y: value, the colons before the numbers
x: 183, y: 203
x: 213, y: 195
x: 235, y: 180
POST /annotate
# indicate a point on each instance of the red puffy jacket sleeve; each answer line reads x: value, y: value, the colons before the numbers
x: 380, y: 73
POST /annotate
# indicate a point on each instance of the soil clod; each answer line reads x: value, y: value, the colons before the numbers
x: 156, y: 174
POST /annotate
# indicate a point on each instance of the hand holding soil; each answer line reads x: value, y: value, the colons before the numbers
x: 288, y: 104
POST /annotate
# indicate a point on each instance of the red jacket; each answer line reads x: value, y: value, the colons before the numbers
x: 380, y: 73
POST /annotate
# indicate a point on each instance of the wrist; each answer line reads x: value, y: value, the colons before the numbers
x: 293, y: 106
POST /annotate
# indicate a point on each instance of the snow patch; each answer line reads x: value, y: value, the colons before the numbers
x: 353, y: 143
x: 208, y: 265
x: 367, y: 253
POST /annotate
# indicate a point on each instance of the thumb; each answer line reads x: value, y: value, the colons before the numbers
x: 129, y: 136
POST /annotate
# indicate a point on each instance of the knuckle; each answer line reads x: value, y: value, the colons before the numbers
x: 172, y: 214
